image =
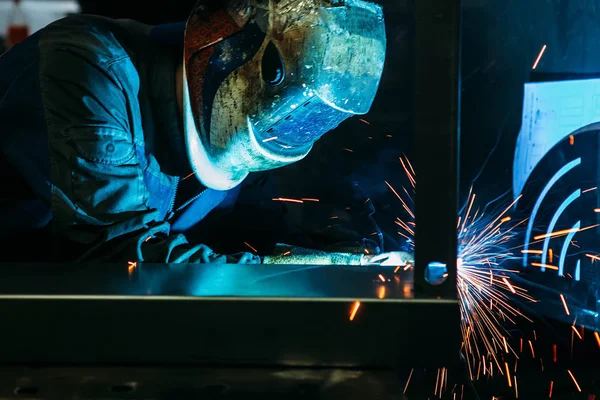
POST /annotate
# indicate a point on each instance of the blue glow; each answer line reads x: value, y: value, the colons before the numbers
x: 561, y: 172
x: 574, y: 196
x: 551, y: 112
x: 248, y: 280
x: 578, y: 271
x: 436, y: 273
x: 565, y: 248
x: 436, y: 264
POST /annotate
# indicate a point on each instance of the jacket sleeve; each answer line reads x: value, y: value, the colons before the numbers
x: 99, y: 199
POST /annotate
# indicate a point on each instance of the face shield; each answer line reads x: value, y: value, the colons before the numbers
x: 265, y: 80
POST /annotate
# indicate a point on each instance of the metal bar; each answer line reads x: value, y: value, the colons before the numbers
x: 198, y: 383
x: 207, y: 280
x: 437, y: 107
x: 50, y: 331
x: 210, y: 315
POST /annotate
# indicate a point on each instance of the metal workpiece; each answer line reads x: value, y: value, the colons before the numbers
x: 302, y: 316
x: 286, y: 255
x: 209, y: 280
x: 437, y: 108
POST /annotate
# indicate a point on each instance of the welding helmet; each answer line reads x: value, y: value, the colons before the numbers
x: 263, y: 80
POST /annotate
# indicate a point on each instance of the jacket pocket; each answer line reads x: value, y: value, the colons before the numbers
x: 103, y: 145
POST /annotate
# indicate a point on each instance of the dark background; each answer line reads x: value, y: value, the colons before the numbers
x: 155, y: 13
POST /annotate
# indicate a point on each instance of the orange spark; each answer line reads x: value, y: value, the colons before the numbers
x: 364, y: 121
x: 554, y: 353
x: 539, y: 57
x: 551, y: 387
x: 597, y: 336
x: 393, y: 190
x: 552, y: 267
x: 309, y: 199
x: 590, y: 189
x: 381, y: 278
x: 355, y: 308
x: 252, y: 248
x: 572, y: 140
x: 531, y: 251
x: 521, y: 346
x: 565, y: 304
x: 286, y: 200
x: 531, y: 347
x: 348, y: 150
x: 408, y: 381
x: 510, y: 287
x: 408, y: 174
x: 593, y: 257
x: 508, y: 374
x: 212, y: 43
x: 468, y: 212
x: 555, y: 234
x: 574, y: 381
x: 563, y: 232
x: 410, y: 165
x: 131, y: 266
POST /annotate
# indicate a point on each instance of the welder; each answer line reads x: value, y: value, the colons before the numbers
x: 117, y: 137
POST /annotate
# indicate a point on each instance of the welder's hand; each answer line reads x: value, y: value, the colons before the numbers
x: 205, y: 255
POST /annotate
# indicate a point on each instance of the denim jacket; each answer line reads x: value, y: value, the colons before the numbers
x: 90, y: 120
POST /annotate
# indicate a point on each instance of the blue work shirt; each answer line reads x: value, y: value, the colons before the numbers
x: 92, y: 144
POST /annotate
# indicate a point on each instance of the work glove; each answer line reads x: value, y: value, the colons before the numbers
x: 205, y: 255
